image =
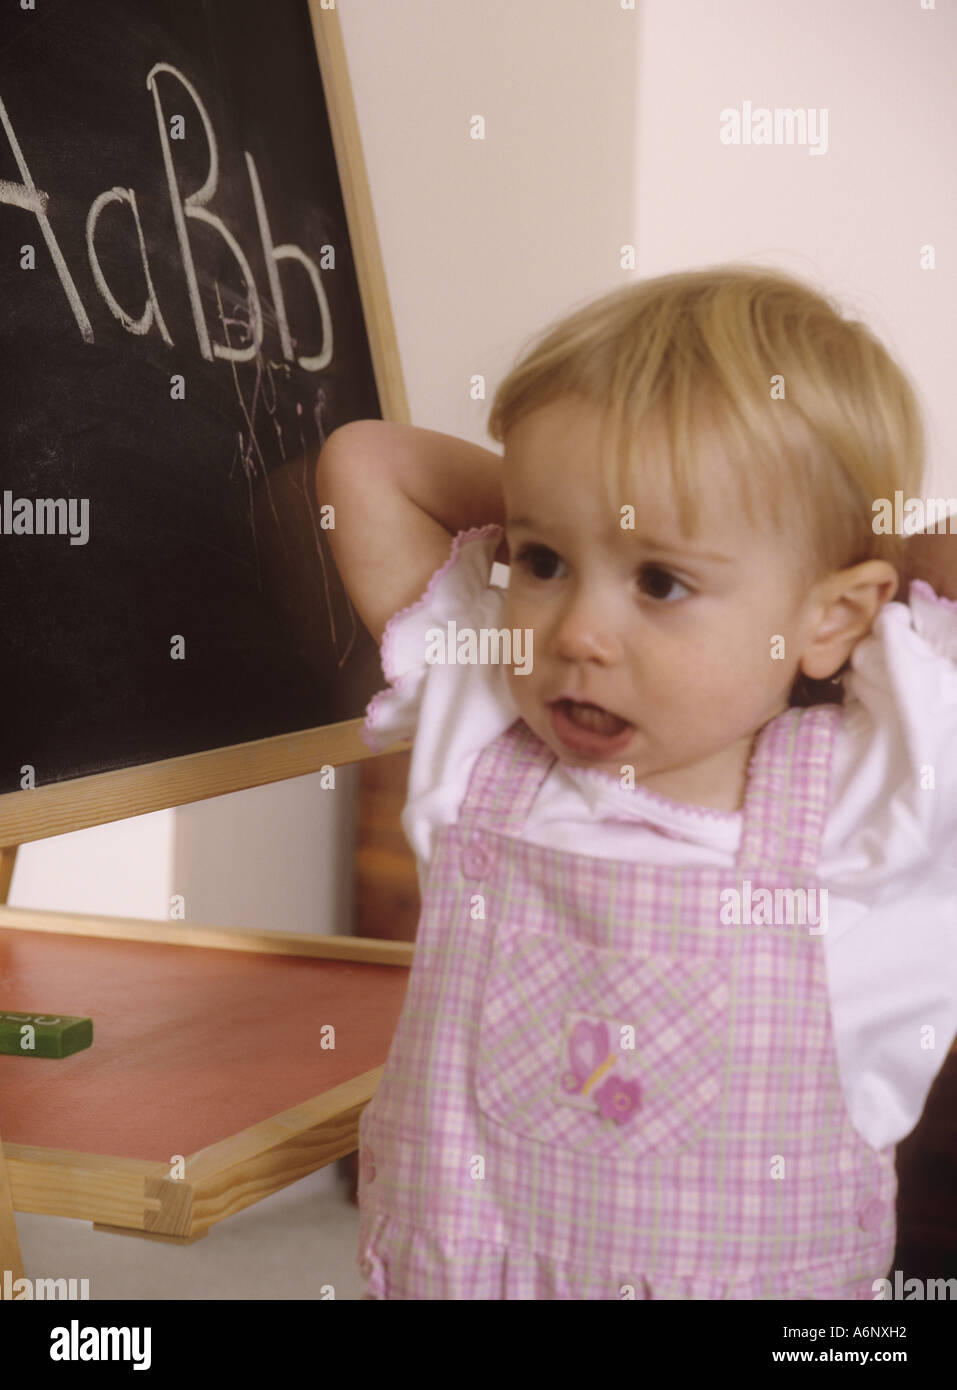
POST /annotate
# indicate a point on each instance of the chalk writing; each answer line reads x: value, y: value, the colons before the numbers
x: 192, y: 207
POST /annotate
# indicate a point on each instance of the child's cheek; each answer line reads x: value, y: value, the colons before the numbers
x: 519, y: 614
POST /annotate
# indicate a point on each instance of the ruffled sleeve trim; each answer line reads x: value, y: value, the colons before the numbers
x: 384, y: 720
x: 934, y: 618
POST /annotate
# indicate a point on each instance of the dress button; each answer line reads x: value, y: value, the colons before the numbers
x: 477, y: 860
x: 870, y: 1217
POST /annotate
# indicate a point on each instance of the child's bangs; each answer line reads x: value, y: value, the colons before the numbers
x: 687, y: 437
x: 736, y: 386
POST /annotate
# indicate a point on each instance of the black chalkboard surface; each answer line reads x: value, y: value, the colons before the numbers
x: 153, y: 155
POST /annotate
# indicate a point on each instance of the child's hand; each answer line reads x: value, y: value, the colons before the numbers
x: 933, y: 558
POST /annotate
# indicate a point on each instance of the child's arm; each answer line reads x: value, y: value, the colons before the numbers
x: 933, y: 558
x: 400, y: 494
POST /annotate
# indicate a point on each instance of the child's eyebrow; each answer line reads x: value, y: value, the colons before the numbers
x: 650, y: 543
x: 687, y: 551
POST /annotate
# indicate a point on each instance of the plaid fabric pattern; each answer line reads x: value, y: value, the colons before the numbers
x: 600, y: 1089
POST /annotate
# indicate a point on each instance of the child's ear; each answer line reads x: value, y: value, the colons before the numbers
x: 847, y: 604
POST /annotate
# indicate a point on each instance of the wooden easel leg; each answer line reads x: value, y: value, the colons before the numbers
x: 10, y: 1257
x: 8, y: 859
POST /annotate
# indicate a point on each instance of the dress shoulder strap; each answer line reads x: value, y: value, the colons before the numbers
x: 786, y: 795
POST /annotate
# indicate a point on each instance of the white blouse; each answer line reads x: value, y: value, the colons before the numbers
x: 889, y: 849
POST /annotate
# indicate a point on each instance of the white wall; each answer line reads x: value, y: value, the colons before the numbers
x: 852, y: 220
x: 276, y: 857
x: 123, y: 870
x: 602, y: 130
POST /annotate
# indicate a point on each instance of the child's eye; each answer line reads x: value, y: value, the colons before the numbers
x: 659, y: 584
x: 538, y: 558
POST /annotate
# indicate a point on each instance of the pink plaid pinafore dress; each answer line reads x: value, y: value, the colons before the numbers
x: 599, y: 1090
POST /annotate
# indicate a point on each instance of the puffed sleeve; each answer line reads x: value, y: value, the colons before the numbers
x: 890, y: 854
x: 898, y: 783
x: 455, y: 593
x: 450, y: 710
x: 934, y: 618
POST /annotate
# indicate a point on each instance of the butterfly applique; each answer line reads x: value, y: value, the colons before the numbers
x: 590, y: 1059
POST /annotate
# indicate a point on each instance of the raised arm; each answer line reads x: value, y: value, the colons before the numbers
x: 400, y: 494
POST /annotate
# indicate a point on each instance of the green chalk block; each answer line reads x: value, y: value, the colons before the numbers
x: 44, y: 1035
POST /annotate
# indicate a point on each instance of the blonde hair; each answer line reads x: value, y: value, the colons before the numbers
x: 700, y: 352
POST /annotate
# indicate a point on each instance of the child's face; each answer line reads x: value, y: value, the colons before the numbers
x: 673, y: 635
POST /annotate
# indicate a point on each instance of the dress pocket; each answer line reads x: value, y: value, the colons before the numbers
x: 606, y: 1053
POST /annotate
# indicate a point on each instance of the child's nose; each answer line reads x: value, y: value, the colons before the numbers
x: 586, y: 633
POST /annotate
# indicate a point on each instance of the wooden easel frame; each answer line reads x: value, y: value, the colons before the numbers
x: 121, y: 1194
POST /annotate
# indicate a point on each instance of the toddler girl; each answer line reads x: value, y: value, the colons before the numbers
x: 684, y: 971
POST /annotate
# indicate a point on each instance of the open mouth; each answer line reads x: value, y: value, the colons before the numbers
x: 592, y: 717
x: 587, y: 728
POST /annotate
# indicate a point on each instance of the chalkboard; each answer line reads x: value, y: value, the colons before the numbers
x: 181, y: 326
